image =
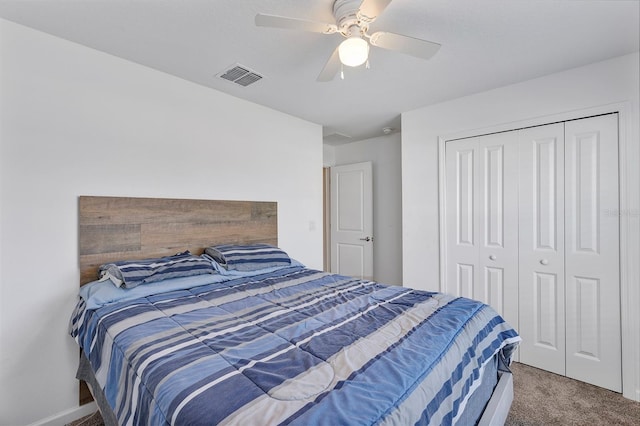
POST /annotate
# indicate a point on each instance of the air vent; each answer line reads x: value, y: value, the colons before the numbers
x: 241, y: 75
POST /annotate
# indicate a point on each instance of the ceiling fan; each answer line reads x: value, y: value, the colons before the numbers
x: 352, y: 21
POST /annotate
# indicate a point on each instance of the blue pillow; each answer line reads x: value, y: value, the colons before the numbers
x: 248, y: 257
x: 131, y: 273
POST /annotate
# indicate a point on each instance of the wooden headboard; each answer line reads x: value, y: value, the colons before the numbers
x: 116, y: 228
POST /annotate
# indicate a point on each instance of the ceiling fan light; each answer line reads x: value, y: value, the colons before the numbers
x: 354, y: 51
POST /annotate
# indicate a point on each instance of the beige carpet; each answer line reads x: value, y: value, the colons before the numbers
x: 541, y: 399
x: 94, y: 419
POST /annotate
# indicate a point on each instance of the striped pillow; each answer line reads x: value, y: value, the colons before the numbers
x: 248, y: 257
x: 131, y: 273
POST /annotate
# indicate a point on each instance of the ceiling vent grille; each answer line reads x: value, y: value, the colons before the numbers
x: 241, y: 75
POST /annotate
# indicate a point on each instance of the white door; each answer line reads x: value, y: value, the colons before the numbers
x: 541, y: 247
x: 352, y: 220
x: 592, y: 251
x: 558, y: 237
x: 461, y: 221
x: 482, y: 221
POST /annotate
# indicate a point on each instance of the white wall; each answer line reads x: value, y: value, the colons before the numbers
x: 608, y: 85
x: 76, y: 122
x: 384, y: 154
x: 328, y: 155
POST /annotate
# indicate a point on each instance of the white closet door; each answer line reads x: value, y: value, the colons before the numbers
x: 498, y: 233
x: 532, y: 228
x: 541, y: 248
x: 592, y: 251
x: 462, y: 222
x: 482, y: 221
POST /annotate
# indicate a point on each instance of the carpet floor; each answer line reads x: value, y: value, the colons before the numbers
x: 94, y: 419
x: 543, y: 399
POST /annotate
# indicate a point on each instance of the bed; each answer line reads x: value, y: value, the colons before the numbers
x: 274, y: 342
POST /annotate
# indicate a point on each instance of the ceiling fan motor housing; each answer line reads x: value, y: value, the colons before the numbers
x: 346, y: 13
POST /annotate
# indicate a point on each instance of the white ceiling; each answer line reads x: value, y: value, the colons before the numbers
x: 485, y: 44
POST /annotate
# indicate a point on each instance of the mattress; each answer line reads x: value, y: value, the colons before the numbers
x: 293, y: 346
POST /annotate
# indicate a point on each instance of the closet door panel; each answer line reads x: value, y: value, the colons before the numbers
x: 592, y: 252
x: 541, y: 247
x: 498, y: 211
x: 482, y: 221
x: 462, y: 220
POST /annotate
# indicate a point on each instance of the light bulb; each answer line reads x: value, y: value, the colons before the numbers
x: 354, y: 51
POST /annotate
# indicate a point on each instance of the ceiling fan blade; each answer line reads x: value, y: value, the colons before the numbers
x: 330, y: 68
x: 371, y: 9
x: 400, y: 43
x: 274, y: 21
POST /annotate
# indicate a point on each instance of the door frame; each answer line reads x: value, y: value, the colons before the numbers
x: 326, y: 218
x: 629, y: 250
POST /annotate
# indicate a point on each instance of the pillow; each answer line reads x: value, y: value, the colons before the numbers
x: 248, y: 257
x: 131, y: 273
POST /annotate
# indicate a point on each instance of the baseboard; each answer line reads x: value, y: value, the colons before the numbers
x: 67, y: 416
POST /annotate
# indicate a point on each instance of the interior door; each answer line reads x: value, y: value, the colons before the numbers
x: 541, y: 247
x: 482, y: 221
x: 592, y: 251
x: 352, y: 220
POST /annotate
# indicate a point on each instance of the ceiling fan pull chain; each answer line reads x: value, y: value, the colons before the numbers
x: 367, y: 64
x: 341, y: 71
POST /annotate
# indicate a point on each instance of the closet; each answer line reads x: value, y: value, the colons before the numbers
x: 532, y: 228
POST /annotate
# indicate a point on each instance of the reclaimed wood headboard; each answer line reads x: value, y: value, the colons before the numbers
x: 116, y: 228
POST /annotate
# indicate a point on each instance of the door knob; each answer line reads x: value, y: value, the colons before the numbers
x: 492, y: 257
x: 544, y: 262
x: 366, y: 239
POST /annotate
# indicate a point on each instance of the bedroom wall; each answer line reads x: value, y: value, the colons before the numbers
x: 328, y: 155
x: 579, y: 90
x: 384, y: 154
x: 76, y: 121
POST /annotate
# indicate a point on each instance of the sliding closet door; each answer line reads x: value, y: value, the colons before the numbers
x: 482, y: 221
x: 592, y: 251
x: 541, y: 247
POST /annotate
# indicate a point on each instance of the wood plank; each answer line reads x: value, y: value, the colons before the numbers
x: 85, y: 393
x: 109, y: 238
x: 124, y: 228
x: 178, y: 236
x: 120, y: 210
x: 264, y: 211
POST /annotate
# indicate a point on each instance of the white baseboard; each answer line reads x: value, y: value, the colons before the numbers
x: 67, y: 416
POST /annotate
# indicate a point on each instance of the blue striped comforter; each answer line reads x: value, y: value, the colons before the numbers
x: 295, y: 346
